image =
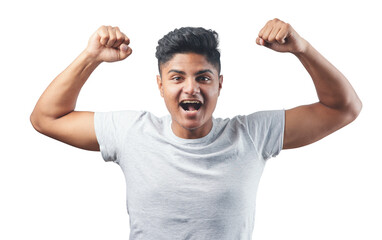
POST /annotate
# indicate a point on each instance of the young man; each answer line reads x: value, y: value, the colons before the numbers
x: 189, y: 175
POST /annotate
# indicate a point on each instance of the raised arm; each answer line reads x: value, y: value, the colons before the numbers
x: 54, y: 114
x: 338, y: 103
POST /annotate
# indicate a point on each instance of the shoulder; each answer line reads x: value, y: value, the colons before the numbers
x: 255, y: 117
x: 127, y: 114
x: 128, y: 118
x: 266, y: 115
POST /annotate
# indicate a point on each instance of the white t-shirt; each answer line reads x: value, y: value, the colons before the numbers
x: 182, y: 189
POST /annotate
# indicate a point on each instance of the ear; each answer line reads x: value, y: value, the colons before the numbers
x: 220, y: 83
x: 160, y: 85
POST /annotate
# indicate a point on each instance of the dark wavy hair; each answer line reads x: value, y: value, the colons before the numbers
x: 189, y: 40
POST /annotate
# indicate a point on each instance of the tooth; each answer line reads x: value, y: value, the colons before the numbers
x: 191, y: 101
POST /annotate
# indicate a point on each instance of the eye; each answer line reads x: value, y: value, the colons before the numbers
x: 176, y: 78
x: 203, y: 78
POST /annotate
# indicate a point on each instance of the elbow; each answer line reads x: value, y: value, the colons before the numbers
x: 357, y: 108
x: 354, y: 109
x: 35, y: 123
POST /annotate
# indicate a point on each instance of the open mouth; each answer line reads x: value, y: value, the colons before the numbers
x: 189, y: 105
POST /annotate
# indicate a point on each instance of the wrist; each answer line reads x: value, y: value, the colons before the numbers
x: 90, y: 58
x: 303, y: 49
x: 86, y: 63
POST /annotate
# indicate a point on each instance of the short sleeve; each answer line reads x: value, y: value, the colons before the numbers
x: 266, y: 129
x: 110, y: 129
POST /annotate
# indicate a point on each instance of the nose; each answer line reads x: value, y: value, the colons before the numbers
x: 191, y: 86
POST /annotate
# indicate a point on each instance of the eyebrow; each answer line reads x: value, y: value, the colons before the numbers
x: 176, y: 71
x: 198, y: 73
x: 204, y: 71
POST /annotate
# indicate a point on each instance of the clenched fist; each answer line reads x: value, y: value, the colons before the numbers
x: 281, y: 37
x: 109, y: 44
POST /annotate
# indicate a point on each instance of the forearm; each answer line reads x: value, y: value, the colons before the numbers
x: 333, y: 89
x: 61, y: 95
x: 338, y: 102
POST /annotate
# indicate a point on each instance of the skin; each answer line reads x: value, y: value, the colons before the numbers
x: 54, y: 114
x: 190, y: 77
x: 338, y: 103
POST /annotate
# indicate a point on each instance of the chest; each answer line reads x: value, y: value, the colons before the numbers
x: 202, y: 182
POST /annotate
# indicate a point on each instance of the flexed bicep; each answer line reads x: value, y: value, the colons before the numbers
x: 310, y: 123
x: 75, y: 128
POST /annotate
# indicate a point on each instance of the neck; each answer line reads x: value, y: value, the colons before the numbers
x: 191, y: 133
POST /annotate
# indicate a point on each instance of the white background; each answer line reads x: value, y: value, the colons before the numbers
x: 327, y: 190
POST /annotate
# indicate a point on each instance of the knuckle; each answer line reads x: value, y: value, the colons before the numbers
x: 279, y: 39
x: 104, y: 36
x: 104, y: 40
x: 112, y: 39
x: 118, y: 41
x: 119, y: 34
x: 101, y: 30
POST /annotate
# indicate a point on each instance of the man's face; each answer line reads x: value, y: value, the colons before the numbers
x: 190, y: 86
